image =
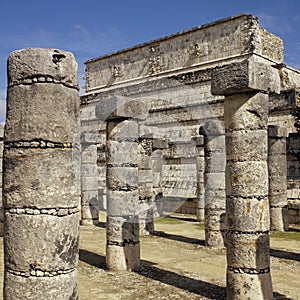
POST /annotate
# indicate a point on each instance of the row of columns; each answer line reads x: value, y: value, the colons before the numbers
x: 42, y: 208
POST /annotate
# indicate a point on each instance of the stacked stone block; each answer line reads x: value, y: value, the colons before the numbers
x: 40, y: 176
x: 89, y: 183
x: 123, y: 248
x: 200, y: 165
x: 157, y: 161
x: 247, y: 205
x: 277, y: 165
x: 123, y: 207
x: 214, y: 180
x: 146, y: 194
x: 93, y: 164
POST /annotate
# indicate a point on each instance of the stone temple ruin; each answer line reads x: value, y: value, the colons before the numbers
x: 197, y: 122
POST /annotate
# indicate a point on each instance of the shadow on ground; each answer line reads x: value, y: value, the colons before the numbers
x: 285, y: 254
x: 179, y: 238
x: 199, y: 287
x: 93, y: 259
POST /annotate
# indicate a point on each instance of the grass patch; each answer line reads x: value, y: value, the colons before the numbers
x: 288, y: 235
x: 168, y: 220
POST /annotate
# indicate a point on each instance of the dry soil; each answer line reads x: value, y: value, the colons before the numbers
x: 175, y: 264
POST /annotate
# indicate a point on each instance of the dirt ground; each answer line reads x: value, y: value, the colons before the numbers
x: 176, y: 265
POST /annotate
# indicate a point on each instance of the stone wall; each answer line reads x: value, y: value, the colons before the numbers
x: 172, y: 76
x: 236, y: 36
x: 293, y: 167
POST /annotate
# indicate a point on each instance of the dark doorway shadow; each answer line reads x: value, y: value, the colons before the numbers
x: 285, y: 254
x: 198, y: 287
x: 92, y: 259
x: 179, y: 238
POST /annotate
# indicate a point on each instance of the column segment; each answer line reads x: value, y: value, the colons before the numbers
x: 214, y: 180
x: 123, y: 207
x: 277, y: 164
x: 200, y: 165
x: 41, y: 185
x: 245, y: 86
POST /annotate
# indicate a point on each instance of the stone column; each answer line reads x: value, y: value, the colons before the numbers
x: 89, y: 183
x: 214, y: 180
x: 146, y: 194
x: 122, y: 235
x: 41, y: 192
x: 245, y: 87
x: 157, y: 161
x: 123, y: 244
x: 277, y: 164
x: 200, y: 165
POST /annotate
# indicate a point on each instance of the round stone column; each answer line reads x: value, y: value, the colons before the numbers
x: 214, y: 180
x: 247, y: 205
x: 245, y: 86
x: 41, y: 184
x: 146, y: 194
x: 123, y: 245
x: 200, y: 165
x: 122, y: 232
x: 277, y: 164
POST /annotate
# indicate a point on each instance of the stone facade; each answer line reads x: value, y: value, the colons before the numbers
x: 172, y: 76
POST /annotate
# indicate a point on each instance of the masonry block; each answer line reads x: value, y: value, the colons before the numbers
x: 118, y: 107
x: 247, y: 76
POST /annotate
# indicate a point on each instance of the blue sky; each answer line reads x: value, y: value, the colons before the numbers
x: 91, y: 28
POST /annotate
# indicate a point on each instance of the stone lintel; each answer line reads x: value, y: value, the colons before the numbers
x: 117, y: 107
x: 275, y: 131
x: 247, y: 76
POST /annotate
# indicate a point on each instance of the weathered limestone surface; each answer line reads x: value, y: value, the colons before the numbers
x: 278, y: 178
x: 172, y: 76
x: 214, y: 180
x: 247, y: 206
x: 146, y: 193
x: 41, y: 176
x: 236, y: 36
x: 200, y: 165
x: 123, y: 195
x: 293, y: 167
